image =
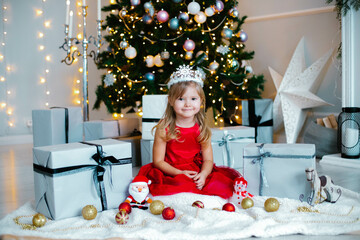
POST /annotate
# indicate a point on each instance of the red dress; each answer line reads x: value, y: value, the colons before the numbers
x: 184, y: 154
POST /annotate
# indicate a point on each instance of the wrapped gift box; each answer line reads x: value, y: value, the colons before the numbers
x: 135, y: 148
x: 68, y: 177
x: 146, y: 151
x: 153, y: 110
x: 258, y: 113
x: 57, y: 126
x: 128, y: 126
x: 228, y: 144
x: 278, y: 170
x: 99, y: 129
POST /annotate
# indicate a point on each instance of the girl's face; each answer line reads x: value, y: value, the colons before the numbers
x: 187, y: 105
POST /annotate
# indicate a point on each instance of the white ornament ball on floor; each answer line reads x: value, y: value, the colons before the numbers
x: 130, y: 52
x: 189, y: 45
x: 149, y: 61
x: 210, y: 11
x: 193, y: 7
x: 200, y: 17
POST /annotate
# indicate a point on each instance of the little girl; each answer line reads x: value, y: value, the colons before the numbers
x: 182, y: 152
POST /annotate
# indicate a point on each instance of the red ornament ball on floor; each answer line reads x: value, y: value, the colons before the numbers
x: 168, y: 213
x: 198, y: 204
x: 228, y: 207
x: 122, y: 217
x: 125, y: 206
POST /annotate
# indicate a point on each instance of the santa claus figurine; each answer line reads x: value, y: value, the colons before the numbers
x: 240, y: 185
x: 139, y: 191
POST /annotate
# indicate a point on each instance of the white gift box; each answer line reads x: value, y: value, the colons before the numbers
x: 278, y: 170
x: 128, y: 125
x: 57, y: 126
x: 68, y: 177
x: 146, y: 151
x: 135, y: 148
x: 258, y: 113
x: 98, y: 129
x: 228, y: 143
x: 153, y: 110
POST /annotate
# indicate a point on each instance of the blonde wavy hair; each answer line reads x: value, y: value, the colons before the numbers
x: 167, y: 124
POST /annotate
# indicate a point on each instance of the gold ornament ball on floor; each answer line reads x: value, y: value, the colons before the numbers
x: 271, y: 205
x: 247, y: 203
x: 89, y: 212
x: 156, y: 207
x: 39, y: 220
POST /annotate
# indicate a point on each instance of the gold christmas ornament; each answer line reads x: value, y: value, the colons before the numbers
x: 156, y: 207
x: 39, y: 220
x: 271, y: 205
x: 247, y: 203
x: 89, y: 212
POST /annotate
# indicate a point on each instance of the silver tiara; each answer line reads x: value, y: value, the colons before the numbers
x: 185, y: 73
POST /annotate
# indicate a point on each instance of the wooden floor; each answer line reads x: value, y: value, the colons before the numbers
x: 17, y: 184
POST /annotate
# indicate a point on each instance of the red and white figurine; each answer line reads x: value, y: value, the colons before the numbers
x: 139, y: 191
x: 240, y: 192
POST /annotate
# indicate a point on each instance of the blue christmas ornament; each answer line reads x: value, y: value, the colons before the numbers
x: 174, y: 23
x: 184, y: 16
x: 147, y: 19
x: 235, y: 64
x: 243, y: 36
x: 177, y: 1
x: 149, y: 76
x: 226, y: 33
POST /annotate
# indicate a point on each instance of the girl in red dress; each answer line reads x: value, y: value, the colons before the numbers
x: 182, y: 152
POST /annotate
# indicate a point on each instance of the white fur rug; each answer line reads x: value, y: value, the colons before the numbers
x: 193, y: 223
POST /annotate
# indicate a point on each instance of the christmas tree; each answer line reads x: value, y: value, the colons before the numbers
x: 147, y: 41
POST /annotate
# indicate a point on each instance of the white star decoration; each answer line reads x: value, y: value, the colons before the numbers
x: 295, y: 92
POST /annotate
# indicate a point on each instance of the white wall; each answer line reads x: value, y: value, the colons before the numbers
x: 29, y: 64
x: 272, y: 40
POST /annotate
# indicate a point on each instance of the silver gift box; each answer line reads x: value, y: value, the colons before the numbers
x: 49, y: 126
x: 99, y: 129
x: 228, y: 143
x: 153, y: 110
x: 66, y: 177
x: 278, y: 170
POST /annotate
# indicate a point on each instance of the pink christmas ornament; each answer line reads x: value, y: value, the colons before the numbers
x: 219, y: 6
x: 189, y: 45
x: 162, y: 16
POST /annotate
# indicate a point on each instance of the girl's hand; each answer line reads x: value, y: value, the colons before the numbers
x: 200, y: 180
x: 190, y: 174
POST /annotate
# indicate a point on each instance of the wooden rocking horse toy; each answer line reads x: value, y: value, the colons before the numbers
x: 322, y: 188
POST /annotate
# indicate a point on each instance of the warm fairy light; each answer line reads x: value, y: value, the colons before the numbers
x: 47, y: 24
x: 47, y: 70
x: 41, y: 47
x: 42, y: 80
x: 39, y: 12
x: 81, y: 70
x: 47, y: 104
x: 79, y: 4
x: 112, y: 1
x: 73, y: 48
x: 78, y: 81
x: 8, y: 92
x: 40, y: 35
x: 48, y: 58
x: 2, y: 79
x: 11, y: 124
x: 121, y: 115
x: 9, y: 111
x: 115, y: 115
x: 80, y: 36
x: 78, y: 101
x: 47, y: 92
x: 76, y: 91
x: 1, y: 57
x: 3, y: 105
